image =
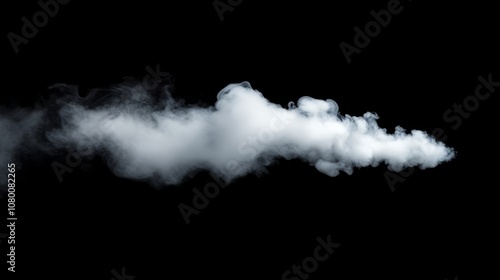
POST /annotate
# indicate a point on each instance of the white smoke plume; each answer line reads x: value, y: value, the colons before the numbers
x: 165, y: 141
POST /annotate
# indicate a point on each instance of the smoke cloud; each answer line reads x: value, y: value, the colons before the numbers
x: 163, y: 140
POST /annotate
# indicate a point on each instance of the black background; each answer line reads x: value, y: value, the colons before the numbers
x: 435, y: 225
